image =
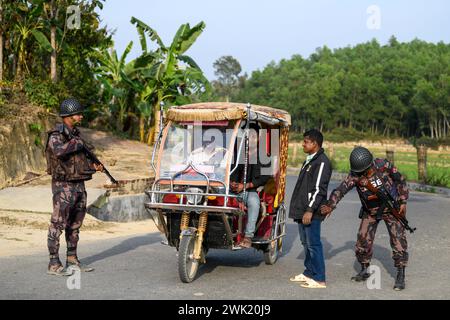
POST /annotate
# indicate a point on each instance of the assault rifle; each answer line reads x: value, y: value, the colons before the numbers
x: 94, y: 158
x: 387, y: 201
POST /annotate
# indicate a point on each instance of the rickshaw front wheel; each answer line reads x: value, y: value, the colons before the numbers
x: 187, y: 265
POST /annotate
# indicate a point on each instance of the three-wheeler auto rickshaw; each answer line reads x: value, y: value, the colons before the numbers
x: 198, y: 148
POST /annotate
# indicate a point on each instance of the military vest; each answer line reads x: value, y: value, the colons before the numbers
x: 377, y: 180
x: 73, y: 167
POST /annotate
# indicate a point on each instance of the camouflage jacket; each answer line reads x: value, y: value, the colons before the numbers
x: 394, y: 182
x: 66, y: 160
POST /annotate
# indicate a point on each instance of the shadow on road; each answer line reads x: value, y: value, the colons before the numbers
x: 124, y: 246
x: 382, y: 254
x: 245, y: 258
x: 289, y: 239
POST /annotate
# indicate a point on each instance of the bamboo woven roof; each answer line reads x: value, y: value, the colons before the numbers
x: 215, y: 111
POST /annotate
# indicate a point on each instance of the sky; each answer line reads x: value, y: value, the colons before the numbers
x: 257, y: 32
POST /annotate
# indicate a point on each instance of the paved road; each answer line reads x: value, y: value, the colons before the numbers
x: 140, y: 267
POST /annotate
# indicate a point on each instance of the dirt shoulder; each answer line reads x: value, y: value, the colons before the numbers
x: 23, y: 233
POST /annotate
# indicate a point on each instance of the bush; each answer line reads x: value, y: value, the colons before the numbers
x: 45, y: 93
x: 340, y: 135
x: 350, y: 134
x: 430, y: 142
x: 36, y: 130
x: 295, y: 136
x: 438, y: 177
x: 7, y: 88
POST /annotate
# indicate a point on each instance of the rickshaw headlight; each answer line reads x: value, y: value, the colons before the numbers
x: 194, y: 198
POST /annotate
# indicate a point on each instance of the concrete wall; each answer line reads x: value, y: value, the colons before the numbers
x: 123, y: 208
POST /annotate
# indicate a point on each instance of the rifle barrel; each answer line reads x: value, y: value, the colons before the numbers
x: 97, y: 161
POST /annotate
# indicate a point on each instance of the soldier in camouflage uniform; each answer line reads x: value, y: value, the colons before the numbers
x: 69, y: 167
x: 377, y: 172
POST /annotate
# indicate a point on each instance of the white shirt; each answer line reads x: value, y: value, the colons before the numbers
x: 308, y: 159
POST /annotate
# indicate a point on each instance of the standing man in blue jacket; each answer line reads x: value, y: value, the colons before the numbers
x: 309, y: 194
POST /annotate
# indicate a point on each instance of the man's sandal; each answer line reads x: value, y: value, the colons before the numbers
x: 299, y: 278
x: 312, y: 284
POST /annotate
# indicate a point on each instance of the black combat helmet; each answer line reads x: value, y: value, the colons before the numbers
x: 360, y: 159
x: 70, y: 107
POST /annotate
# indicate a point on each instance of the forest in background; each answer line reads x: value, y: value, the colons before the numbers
x: 366, y: 91
x: 50, y: 50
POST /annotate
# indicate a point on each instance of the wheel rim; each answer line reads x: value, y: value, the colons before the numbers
x: 273, y: 249
x: 191, y: 263
x: 192, y: 268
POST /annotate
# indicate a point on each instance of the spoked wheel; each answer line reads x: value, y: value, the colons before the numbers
x: 272, y: 252
x: 187, y: 265
x: 274, y: 248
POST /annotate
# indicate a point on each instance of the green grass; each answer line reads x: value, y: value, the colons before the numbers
x: 438, y: 164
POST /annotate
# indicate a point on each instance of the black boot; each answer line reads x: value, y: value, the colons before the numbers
x: 400, y: 281
x: 363, y: 275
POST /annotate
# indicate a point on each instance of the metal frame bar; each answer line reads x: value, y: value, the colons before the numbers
x: 176, y: 206
x: 158, y: 139
x: 191, y: 193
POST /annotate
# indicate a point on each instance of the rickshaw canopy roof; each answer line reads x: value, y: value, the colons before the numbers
x: 215, y: 111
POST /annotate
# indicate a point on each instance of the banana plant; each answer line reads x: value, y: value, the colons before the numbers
x: 27, y: 24
x: 114, y: 75
x: 172, y: 74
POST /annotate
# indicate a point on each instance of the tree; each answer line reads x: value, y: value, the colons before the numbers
x: 52, y: 11
x: 397, y: 88
x: 26, y: 24
x: 57, y: 26
x: 1, y: 42
x: 77, y: 55
x: 227, y: 69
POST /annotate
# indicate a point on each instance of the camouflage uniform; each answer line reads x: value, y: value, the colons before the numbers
x: 69, y: 210
x: 370, y: 213
x: 69, y: 168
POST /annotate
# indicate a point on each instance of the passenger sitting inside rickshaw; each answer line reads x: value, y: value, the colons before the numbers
x: 255, y: 178
x: 208, y: 153
x: 210, y: 158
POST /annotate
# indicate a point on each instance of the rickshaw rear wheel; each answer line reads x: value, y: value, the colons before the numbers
x: 187, y: 265
x: 272, y: 252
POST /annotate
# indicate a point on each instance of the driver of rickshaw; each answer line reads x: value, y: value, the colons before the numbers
x: 255, y: 179
x: 207, y: 154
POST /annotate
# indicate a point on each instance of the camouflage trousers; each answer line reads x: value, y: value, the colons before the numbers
x: 366, y: 236
x: 69, y: 210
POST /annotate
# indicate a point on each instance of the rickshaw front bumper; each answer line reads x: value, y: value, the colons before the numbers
x: 154, y: 204
x: 189, y: 207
